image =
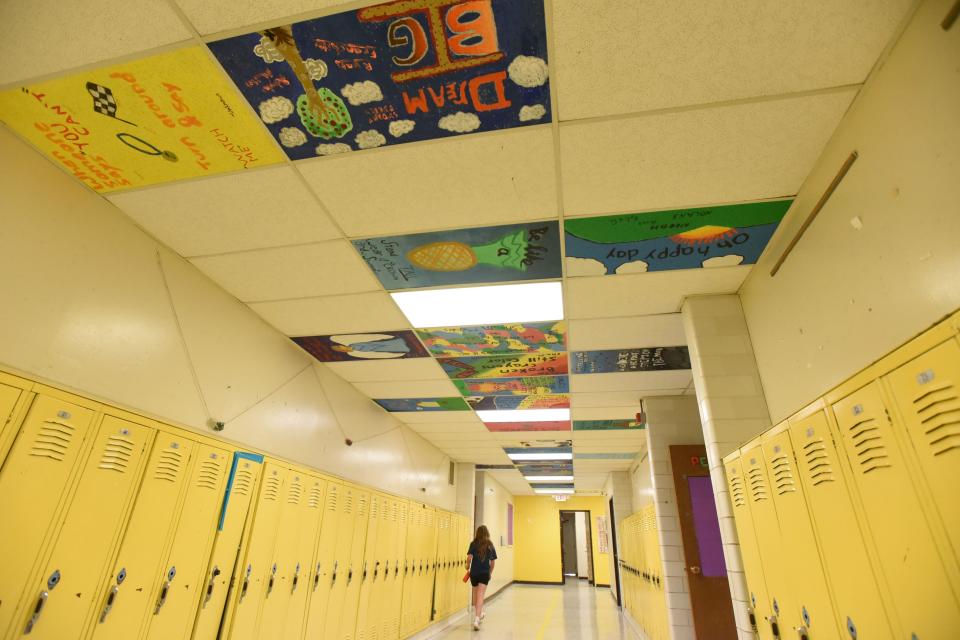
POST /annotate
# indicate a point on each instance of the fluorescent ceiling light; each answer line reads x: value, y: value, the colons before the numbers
x: 548, y: 478
x: 540, y: 456
x: 553, y: 490
x: 533, y: 302
x: 524, y: 415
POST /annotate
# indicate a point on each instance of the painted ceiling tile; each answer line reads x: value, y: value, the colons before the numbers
x: 605, y: 456
x: 720, y: 236
x: 505, y: 366
x: 423, y: 404
x: 397, y: 72
x: 491, y: 403
x: 559, y: 425
x: 628, y: 360
x: 607, y: 425
x: 530, y: 337
x: 533, y: 385
x: 384, y: 345
x: 528, y: 251
x: 167, y: 117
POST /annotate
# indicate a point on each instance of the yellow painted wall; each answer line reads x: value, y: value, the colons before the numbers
x: 537, y: 537
x: 495, y: 500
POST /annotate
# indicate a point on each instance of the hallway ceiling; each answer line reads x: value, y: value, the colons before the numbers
x: 644, y: 107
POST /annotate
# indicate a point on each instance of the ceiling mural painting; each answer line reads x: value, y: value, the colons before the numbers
x: 167, y: 117
x: 530, y: 337
x: 607, y: 425
x: 423, y: 404
x: 393, y: 73
x: 387, y: 345
x: 505, y: 366
x: 557, y: 425
x: 492, y: 403
x: 626, y: 360
x: 532, y: 385
x: 720, y: 236
x: 465, y: 256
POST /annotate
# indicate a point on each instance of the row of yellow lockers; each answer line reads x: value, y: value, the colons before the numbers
x: 847, y: 513
x: 117, y: 526
x: 641, y: 573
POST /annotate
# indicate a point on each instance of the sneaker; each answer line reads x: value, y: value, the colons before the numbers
x: 483, y: 615
x: 476, y: 624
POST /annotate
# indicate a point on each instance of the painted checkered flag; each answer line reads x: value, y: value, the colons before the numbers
x: 104, y: 102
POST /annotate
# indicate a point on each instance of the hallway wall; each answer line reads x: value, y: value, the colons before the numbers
x: 537, y: 537
x: 495, y: 500
x: 105, y: 310
x: 880, y: 263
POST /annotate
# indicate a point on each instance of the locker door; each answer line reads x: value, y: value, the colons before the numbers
x: 855, y: 588
x: 366, y: 625
x: 324, y: 564
x: 33, y: 481
x: 308, y: 526
x: 351, y: 601
x: 124, y: 605
x: 749, y: 551
x: 341, y: 573
x: 69, y: 586
x: 283, y: 563
x: 409, y: 569
x: 927, y: 394
x: 256, y: 570
x: 182, y: 580
x: 769, y: 543
x: 220, y: 575
x: 925, y: 603
x: 802, y: 562
x: 378, y: 614
x: 395, y: 599
x: 14, y: 398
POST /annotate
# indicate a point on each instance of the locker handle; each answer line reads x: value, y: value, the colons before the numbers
x: 774, y: 627
x: 752, y: 616
x: 246, y: 583
x: 296, y: 578
x: 802, y: 633
x: 111, y: 597
x: 336, y: 563
x: 163, y: 597
x: 396, y: 570
x: 376, y: 570
x: 350, y: 574
x: 37, y: 610
x: 210, y: 584
x: 316, y: 578
x: 364, y: 579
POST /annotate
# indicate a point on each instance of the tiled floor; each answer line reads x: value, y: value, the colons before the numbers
x: 575, y: 611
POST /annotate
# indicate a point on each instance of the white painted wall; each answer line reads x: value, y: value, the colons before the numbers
x: 92, y: 303
x: 583, y: 559
x: 881, y: 262
x: 495, y: 500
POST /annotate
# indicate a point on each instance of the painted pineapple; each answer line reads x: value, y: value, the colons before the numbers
x: 509, y: 252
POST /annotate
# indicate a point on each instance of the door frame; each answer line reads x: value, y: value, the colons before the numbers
x: 592, y: 581
x: 616, y: 552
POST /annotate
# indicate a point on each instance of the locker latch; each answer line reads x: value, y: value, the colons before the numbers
x: 316, y: 578
x: 296, y: 578
x: 802, y: 633
x: 364, y: 579
x: 210, y: 584
x: 273, y: 578
x: 112, y: 594
x: 165, y: 591
x: 336, y: 563
x: 753, y: 618
x: 349, y: 574
x: 774, y: 626
x: 851, y: 628
x: 376, y: 570
x: 246, y: 582
x: 37, y: 610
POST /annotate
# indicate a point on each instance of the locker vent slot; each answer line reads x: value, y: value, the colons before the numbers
x: 271, y: 489
x: 758, y: 486
x: 818, y: 464
x: 783, y: 475
x: 209, y: 474
x: 737, y: 491
x: 169, y: 465
x: 52, y: 441
x: 242, y: 482
x: 348, y: 503
x: 116, y: 454
x: 362, y: 506
x: 315, y: 497
x: 294, y: 492
x: 869, y: 446
x: 939, y: 413
x: 333, y: 497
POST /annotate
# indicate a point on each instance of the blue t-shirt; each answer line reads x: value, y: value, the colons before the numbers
x: 480, y: 566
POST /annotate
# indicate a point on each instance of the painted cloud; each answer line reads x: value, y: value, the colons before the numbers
x: 267, y: 50
x: 292, y: 137
x: 460, y: 122
x: 275, y: 109
x: 401, y: 127
x: 358, y: 93
x: 528, y: 71
x: 731, y: 260
x: 370, y: 139
x: 316, y: 68
x: 532, y: 112
x: 332, y: 149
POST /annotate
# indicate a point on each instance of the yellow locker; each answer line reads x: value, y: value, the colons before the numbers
x: 410, y: 558
x: 14, y: 398
x: 924, y: 601
x: 769, y: 543
x: 220, y: 576
x: 366, y: 625
x: 396, y: 586
x: 33, y: 481
x: 348, y: 618
x: 379, y: 613
x: 927, y: 395
x: 325, y: 564
x: 255, y: 570
x: 801, y: 558
x: 183, y: 580
x: 124, y: 606
x: 750, y: 553
x: 68, y: 587
x: 308, y: 526
x: 855, y: 586
x: 283, y: 564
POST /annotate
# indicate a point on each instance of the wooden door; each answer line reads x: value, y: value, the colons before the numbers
x: 700, y: 530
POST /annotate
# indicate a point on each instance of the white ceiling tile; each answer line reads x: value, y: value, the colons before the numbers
x: 655, y: 292
x: 608, y: 412
x: 720, y: 154
x: 633, y: 380
x: 616, y: 401
x: 211, y: 16
x: 47, y: 36
x: 683, y: 52
x: 236, y: 212
x: 487, y: 179
x: 333, y: 314
x: 663, y: 330
x: 327, y: 268
x: 385, y: 370
x: 409, y: 389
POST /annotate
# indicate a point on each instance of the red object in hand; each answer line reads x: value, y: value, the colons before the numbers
x: 466, y: 576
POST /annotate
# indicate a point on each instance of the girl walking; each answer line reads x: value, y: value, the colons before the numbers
x: 481, y: 558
